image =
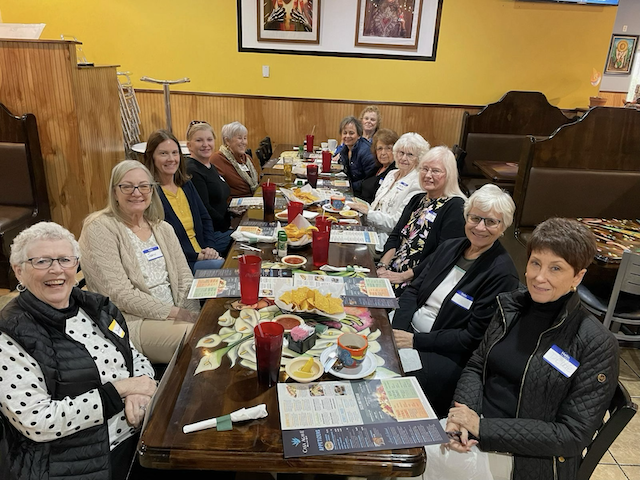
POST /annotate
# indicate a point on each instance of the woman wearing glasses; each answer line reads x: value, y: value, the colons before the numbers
x: 74, y: 389
x: 428, y: 219
x: 382, y: 148
x: 132, y: 256
x: 445, y: 311
x: 397, y: 188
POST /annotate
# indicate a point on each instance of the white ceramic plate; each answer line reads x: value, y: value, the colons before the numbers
x: 366, y: 368
x: 328, y: 208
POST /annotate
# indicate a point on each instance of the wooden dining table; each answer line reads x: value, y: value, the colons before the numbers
x: 255, y: 446
x: 500, y: 172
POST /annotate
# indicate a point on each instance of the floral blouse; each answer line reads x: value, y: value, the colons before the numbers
x: 414, y: 236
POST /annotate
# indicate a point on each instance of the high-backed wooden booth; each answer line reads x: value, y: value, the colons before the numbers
x: 589, y: 168
x: 77, y: 110
x: 499, y: 131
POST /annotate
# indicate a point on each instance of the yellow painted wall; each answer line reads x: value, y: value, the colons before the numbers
x: 486, y: 47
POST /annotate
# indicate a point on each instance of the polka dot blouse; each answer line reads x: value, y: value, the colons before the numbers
x: 26, y: 403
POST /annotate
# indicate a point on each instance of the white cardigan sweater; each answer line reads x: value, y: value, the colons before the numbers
x: 111, y: 268
x: 390, y: 200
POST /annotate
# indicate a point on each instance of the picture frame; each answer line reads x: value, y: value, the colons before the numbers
x: 621, y: 54
x: 388, y: 24
x: 296, y: 21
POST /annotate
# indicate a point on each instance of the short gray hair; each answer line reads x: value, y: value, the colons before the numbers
x: 448, y: 159
x: 231, y: 130
x: 154, y: 212
x: 39, y: 232
x: 414, y: 142
x: 491, y: 197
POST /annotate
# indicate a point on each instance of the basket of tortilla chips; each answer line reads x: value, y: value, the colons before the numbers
x: 306, y: 195
x: 299, y: 232
x: 311, y: 300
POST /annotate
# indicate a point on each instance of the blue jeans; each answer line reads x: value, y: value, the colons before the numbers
x: 208, y: 264
x: 222, y: 242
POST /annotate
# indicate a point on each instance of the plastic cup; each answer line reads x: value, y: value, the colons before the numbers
x: 323, y: 223
x: 320, y: 247
x: 309, y: 143
x: 326, y: 161
x: 312, y: 175
x: 249, y: 266
x: 333, y: 144
x: 269, y: 196
x: 268, y: 341
x: 293, y: 210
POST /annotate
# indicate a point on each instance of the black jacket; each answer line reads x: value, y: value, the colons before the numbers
x: 457, y: 332
x: 69, y: 370
x: 449, y: 223
x: 213, y: 191
x: 371, y: 184
x: 557, y: 416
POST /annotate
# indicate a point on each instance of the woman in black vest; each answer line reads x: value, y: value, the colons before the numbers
x: 74, y: 389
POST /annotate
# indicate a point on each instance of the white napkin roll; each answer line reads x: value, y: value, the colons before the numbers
x: 252, y: 413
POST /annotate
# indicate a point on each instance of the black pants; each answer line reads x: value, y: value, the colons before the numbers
x: 122, y: 458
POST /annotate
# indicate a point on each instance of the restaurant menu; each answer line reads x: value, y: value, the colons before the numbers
x: 355, y: 291
x: 258, y: 227
x: 353, y: 234
x: 225, y: 283
x: 328, y: 418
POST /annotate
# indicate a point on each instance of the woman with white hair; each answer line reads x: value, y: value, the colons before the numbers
x: 428, y: 219
x: 134, y: 257
x: 74, y: 389
x: 397, y: 188
x: 445, y: 311
x: 232, y: 162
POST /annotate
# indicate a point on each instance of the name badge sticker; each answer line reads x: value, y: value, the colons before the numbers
x: 561, y: 361
x: 462, y: 299
x: 152, y: 253
x: 402, y: 185
x: 431, y: 216
x: 222, y: 178
x: 244, y: 168
x: 117, y: 329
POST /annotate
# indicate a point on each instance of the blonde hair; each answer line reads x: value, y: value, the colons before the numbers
x: 448, y: 159
x: 197, y: 126
x: 154, y: 213
x: 372, y: 109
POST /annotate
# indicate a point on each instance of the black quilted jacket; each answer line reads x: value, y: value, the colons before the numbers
x: 556, y: 416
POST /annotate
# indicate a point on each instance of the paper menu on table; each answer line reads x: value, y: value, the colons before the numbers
x: 353, y: 234
x: 338, y: 417
x: 355, y: 291
x: 225, y: 283
x: 246, y: 202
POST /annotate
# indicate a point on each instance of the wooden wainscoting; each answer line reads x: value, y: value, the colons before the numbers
x: 77, y: 111
x: 288, y: 120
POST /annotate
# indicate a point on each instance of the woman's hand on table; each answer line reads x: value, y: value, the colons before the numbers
x: 396, y: 277
x: 142, y: 385
x: 135, y: 407
x: 464, y: 420
x: 403, y: 339
x: 359, y: 207
x: 208, y: 254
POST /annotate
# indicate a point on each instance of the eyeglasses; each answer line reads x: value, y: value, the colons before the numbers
x: 401, y: 154
x: 128, y: 189
x: 488, y: 222
x: 385, y: 148
x: 435, y: 172
x: 42, y: 263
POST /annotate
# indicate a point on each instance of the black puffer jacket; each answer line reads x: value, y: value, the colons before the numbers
x: 557, y: 416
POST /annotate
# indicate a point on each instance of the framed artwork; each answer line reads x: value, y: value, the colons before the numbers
x: 388, y: 23
x: 621, y: 53
x: 289, y: 21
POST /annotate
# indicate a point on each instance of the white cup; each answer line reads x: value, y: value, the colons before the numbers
x: 324, y: 145
x: 332, y: 143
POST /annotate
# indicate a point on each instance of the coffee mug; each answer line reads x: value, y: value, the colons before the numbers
x: 337, y: 203
x: 352, y: 349
x: 324, y: 145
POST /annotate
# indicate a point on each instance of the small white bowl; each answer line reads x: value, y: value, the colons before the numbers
x: 294, y: 261
x: 297, y: 363
x: 289, y: 315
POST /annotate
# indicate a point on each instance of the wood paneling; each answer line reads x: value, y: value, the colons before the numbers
x: 614, y: 99
x: 289, y: 120
x: 78, y: 121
